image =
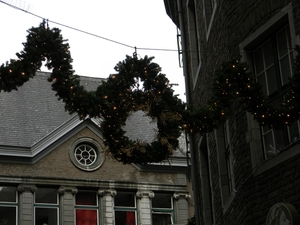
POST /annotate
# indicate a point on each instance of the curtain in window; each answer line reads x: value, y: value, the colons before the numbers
x: 130, y: 218
x: 86, y: 217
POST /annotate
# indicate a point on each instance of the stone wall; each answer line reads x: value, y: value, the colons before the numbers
x: 255, y: 194
x: 57, y: 164
x: 57, y: 171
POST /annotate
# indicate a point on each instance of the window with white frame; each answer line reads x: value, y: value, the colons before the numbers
x: 125, y: 208
x: 162, y: 209
x: 8, y: 205
x: 86, y: 207
x: 206, y: 181
x: 269, y: 52
x: 46, y: 206
x: 86, y: 154
x: 225, y: 163
x: 209, y: 12
x: 228, y: 157
x: 193, y: 40
x: 273, y: 65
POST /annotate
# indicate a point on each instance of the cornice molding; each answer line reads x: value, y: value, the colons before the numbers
x: 110, y: 192
x: 27, y: 188
x: 177, y: 195
x: 62, y: 190
x: 30, y: 155
x: 175, y: 165
x: 147, y: 194
x: 104, y: 184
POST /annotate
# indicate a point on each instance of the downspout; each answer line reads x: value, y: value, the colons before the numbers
x: 188, y: 100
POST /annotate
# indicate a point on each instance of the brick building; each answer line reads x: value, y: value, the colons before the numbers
x: 242, y: 173
x: 53, y: 169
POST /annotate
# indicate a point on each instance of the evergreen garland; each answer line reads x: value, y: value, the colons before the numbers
x: 48, y: 44
x: 114, y: 100
x: 139, y: 85
x: 234, y: 83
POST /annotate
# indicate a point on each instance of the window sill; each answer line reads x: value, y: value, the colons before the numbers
x: 228, y: 203
x: 277, y: 159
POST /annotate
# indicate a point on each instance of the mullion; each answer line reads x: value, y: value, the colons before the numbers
x: 85, y: 207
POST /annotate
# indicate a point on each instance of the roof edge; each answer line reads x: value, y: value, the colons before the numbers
x: 30, y: 155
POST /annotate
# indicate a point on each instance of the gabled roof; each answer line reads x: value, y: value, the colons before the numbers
x: 33, y: 112
x: 34, y: 121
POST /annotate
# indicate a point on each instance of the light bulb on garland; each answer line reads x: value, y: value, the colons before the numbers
x: 239, y: 85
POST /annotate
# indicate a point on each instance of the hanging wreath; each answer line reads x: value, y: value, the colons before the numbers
x: 114, y: 100
x: 139, y: 85
x: 44, y: 44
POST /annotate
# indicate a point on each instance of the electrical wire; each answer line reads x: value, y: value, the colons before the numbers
x: 91, y: 34
x: 85, y: 32
x: 63, y: 25
x: 116, y: 42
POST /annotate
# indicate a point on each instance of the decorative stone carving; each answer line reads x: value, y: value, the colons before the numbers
x: 107, y: 192
x: 27, y: 187
x: 282, y: 213
x: 64, y: 189
x: 148, y: 194
x: 181, y: 195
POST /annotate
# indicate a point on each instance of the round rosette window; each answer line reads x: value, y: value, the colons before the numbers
x: 86, y: 154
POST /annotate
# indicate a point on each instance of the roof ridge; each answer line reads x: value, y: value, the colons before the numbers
x: 46, y: 73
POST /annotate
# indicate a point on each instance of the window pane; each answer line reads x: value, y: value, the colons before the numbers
x: 46, y: 195
x: 268, y: 54
x: 269, y: 144
x: 125, y: 199
x: 125, y: 218
x: 85, y: 154
x: 279, y: 136
x: 266, y: 129
x: 288, y: 33
x: 261, y: 79
x: 7, y: 194
x: 282, y: 44
x: 8, y: 215
x: 276, y: 102
x: 293, y: 132
x: 86, y: 217
x: 271, y: 80
x: 285, y: 68
x: 161, y: 219
x: 45, y: 216
x: 258, y: 60
x: 161, y: 200
x: 86, y: 198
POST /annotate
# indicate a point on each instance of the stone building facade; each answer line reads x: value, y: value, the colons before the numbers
x: 54, y: 170
x: 242, y: 173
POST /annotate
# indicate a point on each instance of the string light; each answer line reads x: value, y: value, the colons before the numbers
x: 203, y: 119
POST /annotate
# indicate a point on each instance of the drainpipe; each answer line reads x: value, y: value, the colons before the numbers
x: 188, y: 99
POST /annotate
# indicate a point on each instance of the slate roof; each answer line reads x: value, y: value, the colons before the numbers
x: 141, y: 127
x: 32, y: 112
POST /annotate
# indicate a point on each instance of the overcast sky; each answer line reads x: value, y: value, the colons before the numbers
x: 136, y: 23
